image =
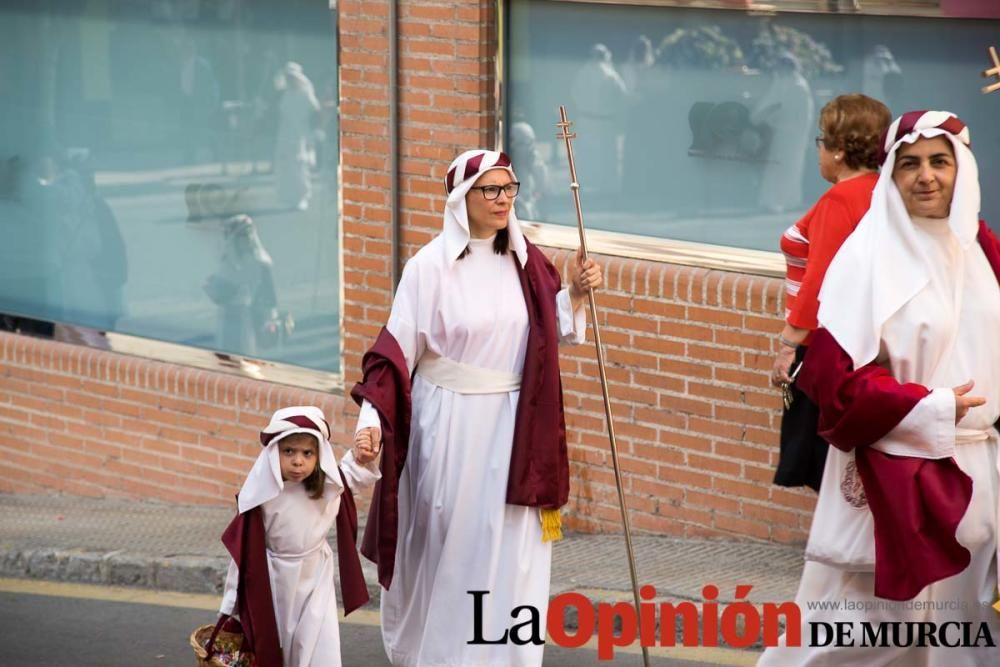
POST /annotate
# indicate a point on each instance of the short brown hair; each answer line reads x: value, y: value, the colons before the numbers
x: 854, y: 124
x: 315, y: 482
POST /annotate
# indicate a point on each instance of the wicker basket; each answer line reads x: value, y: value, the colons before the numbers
x: 228, y: 645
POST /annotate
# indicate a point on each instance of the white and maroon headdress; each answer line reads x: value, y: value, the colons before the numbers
x: 462, y: 175
x: 880, y: 267
x: 264, y: 481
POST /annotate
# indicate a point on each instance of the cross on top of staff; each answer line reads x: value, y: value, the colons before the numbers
x: 993, y: 71
x: 564, y: 125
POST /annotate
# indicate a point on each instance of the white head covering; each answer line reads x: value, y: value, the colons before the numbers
x: 462, y: 175
x: 880, y: 267
x: 264, y: 481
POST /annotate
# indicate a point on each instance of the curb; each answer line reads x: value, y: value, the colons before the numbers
x: 206, y: 575
x: 186, y: 574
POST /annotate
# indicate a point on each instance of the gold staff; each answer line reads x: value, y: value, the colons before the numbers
x: 993, y: 71
x: 564, y: 125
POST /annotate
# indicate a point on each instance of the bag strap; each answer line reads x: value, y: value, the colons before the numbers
x: 210, y: 647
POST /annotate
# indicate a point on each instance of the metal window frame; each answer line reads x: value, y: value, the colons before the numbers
x: 195, y: 357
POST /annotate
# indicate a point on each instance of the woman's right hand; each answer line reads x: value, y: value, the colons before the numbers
x: 964, y: 402
x: 782, y: 364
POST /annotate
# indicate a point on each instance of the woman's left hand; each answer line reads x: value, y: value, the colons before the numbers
x: 585, y: 276
x: 782, y: 364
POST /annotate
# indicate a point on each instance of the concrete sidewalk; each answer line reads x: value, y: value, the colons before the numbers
x: 177, y: 548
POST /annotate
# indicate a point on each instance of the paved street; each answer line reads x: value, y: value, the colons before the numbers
x: 46, y: 624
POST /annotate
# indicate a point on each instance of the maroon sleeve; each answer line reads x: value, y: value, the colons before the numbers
x: 991, y: 246
x: 386, y: 385
x: 916, y: 503
x: 857, y: 406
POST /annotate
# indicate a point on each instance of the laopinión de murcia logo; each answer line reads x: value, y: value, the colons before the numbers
x: 739, y: 624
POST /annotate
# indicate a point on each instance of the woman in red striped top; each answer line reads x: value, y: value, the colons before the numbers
x: 848, y: 146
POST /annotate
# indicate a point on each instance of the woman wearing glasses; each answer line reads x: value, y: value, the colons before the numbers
x: 475, y: 465
x: 848, y: 148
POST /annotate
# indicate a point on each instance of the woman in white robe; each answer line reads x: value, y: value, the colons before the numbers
x: 294, y: 153
x: 296, y: 525
x: 914, y: 291
x: 460, y: 301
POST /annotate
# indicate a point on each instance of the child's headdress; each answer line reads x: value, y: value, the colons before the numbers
x: 264, y: 481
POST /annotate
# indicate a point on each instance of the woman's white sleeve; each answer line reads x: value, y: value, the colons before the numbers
x: 403, y: 326
x: 572, y: 325
x: 927, y: 432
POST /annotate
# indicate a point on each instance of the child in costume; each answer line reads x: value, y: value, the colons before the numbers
x: 280, y: 581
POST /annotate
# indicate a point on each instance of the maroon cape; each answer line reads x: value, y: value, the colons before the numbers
x: 916, y: 503
x: 539, y: 464
x: 245, y: 541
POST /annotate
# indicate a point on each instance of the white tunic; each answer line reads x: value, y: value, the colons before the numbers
x: 301, y: 568
x: 961, y: 303
x: 456, y: 533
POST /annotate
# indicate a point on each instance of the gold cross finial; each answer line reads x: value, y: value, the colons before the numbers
x: 564, y: 124
x: 992, y: 72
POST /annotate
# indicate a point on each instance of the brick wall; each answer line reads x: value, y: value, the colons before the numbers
x: 96, y: 423
x: 688, y: 354
x: 688, y: 350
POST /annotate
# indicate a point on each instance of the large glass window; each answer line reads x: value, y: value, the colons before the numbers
x: 699, y: 124
x: 168, y: 169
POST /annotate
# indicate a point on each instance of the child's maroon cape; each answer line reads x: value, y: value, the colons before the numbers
x: 353, y: 589
x: 244, y: 539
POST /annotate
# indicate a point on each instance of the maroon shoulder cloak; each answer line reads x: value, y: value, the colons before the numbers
x: 539, y: 466
x: 916, y: 503
x: 245, y: 541
x: 386, y: 385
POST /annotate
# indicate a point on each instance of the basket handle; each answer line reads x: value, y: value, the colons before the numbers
x: 210, y: 647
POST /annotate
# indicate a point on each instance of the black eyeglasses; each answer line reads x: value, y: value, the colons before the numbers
x: 820, y: 141
x: 491, y: 192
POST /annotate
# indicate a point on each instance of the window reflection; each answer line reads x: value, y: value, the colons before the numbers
x: 168, y: 170
x: 698, y: 124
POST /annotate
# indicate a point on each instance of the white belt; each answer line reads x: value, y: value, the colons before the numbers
x: 299, y: 556
x: 964, y: 436
x: 465, y: 379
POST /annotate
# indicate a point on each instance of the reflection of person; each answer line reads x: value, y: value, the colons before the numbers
x: 479, y: 314
x: 787, y: 108
x: 199, y: 104
x: 294, y: 494
x: 294, y: 154
x: 75, y: 219
x: 242, y: 287
x: 110, y: 265
x: 599, y: 96
x: 906, y: 373
x: 848, y: 148
x: 881, y: 77
x: 643, y: 117
x: 535, y: 175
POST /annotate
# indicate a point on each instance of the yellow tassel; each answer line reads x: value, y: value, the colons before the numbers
x: 551, y: 524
